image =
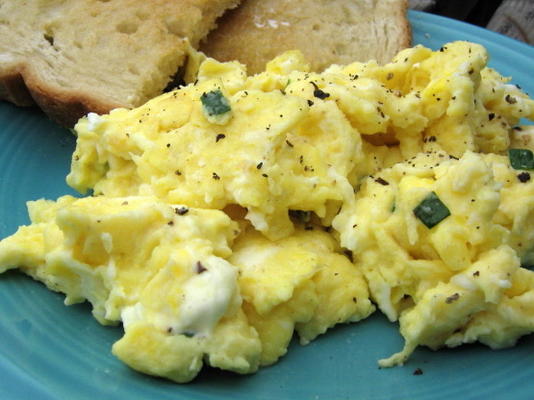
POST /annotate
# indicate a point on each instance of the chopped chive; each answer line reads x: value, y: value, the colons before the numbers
x: 214, y: 103
x: 521, y: 158
x: 431, y: 211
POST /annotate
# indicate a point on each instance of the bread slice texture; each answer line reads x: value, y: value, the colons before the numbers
x: 326, y: 31
x: 76, y: 56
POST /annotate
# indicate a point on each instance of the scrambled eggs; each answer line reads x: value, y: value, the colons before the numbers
x: 234, y: 211
x: 441, y: 282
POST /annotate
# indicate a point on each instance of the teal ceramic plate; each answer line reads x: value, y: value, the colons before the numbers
x: 49, y: 351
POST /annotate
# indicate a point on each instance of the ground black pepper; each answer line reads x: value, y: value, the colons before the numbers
x: 381, y: 181
x: 181, y: 210
x: 452, y: 298
x: 510, y: 100
x: 200, y: 268
x: 523, y: 177
x: 319, y: 93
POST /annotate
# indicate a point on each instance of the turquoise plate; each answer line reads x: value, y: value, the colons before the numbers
x: 49, y: 351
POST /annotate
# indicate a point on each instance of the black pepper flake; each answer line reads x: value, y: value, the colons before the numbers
x: 200, y: 268
x: 168, y: 145
x: 308, y: 228
x: 389, y: 76
x: 452, y: 298
x: 381, y: 181
x: 169, y: 329
x: 219, y: 137
x: 215, y: 176
x: 177, y: 172
x: 471, y: 71
x: 181, y: 210
x: 265, y: 175
x: 453, y: 158
x: 510, y: 100
x: 310, y: 103
x: 289, y: 143
x: 491, y: 116
x: 319, y: 93
x: 259, y: 165
x: 523, y: 177
x: 170, y: 223
x: 453, y: 97
x: 76, y: 158
x: 327, y: 229
x: 476, y: 273
x: 380, y: 112
x: 418, y: 371
x: 354, y: 300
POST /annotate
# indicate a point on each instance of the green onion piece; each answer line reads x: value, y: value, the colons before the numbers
x: 215, y: 103
x: 521, y: 158
x: 431, y: 211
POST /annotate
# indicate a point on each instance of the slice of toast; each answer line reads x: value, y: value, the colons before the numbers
x: 76, y: 56
x: 326, y: 31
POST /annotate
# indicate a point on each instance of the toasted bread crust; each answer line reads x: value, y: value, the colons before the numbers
x: 404, y: 26
x: 64, y: 107
x: 13, y: 89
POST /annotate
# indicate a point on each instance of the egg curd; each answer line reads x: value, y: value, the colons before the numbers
x: 228, y: 214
